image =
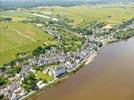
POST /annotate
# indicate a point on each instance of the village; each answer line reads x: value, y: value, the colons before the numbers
x: 23, y: 77
x: 66, y: 62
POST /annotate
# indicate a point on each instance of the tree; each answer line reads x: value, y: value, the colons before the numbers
x: 3, y: 81
x: 29, y: 83
x: 38, y: 51
x: 14, y: 70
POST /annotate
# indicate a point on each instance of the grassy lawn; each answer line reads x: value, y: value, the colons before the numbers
x: 43, y: 76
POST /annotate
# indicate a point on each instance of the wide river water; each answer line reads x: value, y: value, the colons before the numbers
x: 109, y: 77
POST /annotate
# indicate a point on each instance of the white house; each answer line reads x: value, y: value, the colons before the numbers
x: 58, y: 71
x: 54, y: 19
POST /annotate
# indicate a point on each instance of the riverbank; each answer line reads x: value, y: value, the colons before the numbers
x: 111, y: 72
x: 55, y: 82
x: 89, y: 58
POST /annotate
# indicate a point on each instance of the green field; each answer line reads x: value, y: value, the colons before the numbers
x: 16, y: 37
x: 110, y: 14
x: 43, y: 76
x: 19, y: 37
x: 16, y: 15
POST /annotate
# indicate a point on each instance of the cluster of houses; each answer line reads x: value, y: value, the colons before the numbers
x: 64, y: 61
x: 12, y: 91
x: 125, y: 26
x: 54, y: 33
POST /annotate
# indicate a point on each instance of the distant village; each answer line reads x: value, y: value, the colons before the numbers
x: 23, y: 77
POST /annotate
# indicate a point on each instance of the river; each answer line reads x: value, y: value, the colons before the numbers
x: 110, y: 76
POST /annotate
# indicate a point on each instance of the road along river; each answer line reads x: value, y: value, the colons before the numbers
x: 109, y: 77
